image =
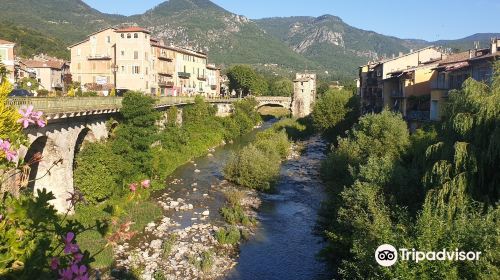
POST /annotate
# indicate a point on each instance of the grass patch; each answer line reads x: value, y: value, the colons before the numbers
x: 168, y: 244
x: 203, y: 261
x: 230, y: 236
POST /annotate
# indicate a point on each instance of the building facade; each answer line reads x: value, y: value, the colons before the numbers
x: 454, y: 70
x: 7, y: 57
x: 390, y: 82
x: 130, y: 59
x: 49, y: 71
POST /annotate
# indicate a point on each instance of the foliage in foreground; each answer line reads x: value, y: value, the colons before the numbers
x: 257, y: 165
x: 428, y: 191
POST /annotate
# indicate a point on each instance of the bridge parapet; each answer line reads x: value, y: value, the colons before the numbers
x: 67, y: 107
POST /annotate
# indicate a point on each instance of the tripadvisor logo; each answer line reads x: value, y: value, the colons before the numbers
x: 387, y: 255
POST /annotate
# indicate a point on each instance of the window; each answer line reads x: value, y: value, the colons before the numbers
x: 123, y: 35
x: 147, y: 71
x: 136, y: 35
x: 185, y: 69
x: 108, y: 39
x: 136, y: 69
x: 136, y: 55
x: 147, y: 84
x: 123, y: 69
x: 129, y: 35
x: 146, y: 55
x: 123, y: 53
x: 79, y: 52
x: 79, y: 67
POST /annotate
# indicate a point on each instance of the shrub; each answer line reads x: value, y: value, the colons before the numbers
x: 230, y: 236
x: 42, y: 93
x: 271, y: 142
x: 233, y: 214
x: 95, y: 172
x: 253, y: 168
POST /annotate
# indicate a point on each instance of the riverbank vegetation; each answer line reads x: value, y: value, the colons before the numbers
x: 145, y: 148
x: 432, y: 190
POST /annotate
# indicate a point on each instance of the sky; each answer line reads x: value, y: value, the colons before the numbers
x: 417, y: 19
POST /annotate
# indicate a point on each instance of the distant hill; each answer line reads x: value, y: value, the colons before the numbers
x: 30, y: 42
x: 331, y: 42
x: 228, y: 38
x: 323, y: 43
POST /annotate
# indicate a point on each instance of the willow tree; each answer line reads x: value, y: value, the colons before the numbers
x: 460, y: 210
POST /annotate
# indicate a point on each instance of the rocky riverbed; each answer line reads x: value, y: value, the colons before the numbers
x: 167, y: 250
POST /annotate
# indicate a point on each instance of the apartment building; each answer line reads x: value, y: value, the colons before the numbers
x: 130, y: 59
x: 392, y: 83
x: 49, y: 71
x: 7, y: 58
x: 455, y: 69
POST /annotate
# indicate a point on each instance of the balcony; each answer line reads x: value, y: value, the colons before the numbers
x: 166, y: 74
x: 184, y: 75
x: 99, y: 57
x: 166, y: 84
x: 419, y: 115
x: 202, y: 77
x: 213, y: 87
x: 164, y: 57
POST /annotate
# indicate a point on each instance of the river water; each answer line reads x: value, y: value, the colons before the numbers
x: 285, y: 245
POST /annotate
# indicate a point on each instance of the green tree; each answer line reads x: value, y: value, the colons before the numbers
x: 244, y: 78
x: 29, y: 84
x: 335, y: 112
x: 136, y: 134
x: 281, y: 87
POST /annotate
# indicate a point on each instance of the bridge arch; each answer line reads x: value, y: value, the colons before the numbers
x: 86, y: 135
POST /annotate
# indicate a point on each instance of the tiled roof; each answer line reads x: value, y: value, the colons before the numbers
x: 5, y: 42
x: 133, y: 29
x: 457, y: 57
x: 54, y: 64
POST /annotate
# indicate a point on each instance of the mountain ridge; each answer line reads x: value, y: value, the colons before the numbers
x: 324, y: 43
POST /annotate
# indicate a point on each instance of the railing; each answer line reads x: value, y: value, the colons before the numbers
x: 184, y: 75
x: 165, y: 57
x: 166, y: 84
x: 67, y: 104
x: 58, y: 105
x: 202, y: 77
x: 99, y: 57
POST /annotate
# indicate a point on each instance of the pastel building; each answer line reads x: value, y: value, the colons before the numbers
x: 7, y: 58
x: 130, y: 59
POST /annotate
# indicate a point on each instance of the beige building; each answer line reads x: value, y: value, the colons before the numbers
x: 49, y: 71
x: 304, y: 96
x: 390, y: 82
x: 7, y: 58
x: 129, y: 59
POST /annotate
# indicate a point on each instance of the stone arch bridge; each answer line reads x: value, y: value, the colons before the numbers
x: 73, y: 121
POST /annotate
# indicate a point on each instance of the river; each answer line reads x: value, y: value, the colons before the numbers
x: 284, y: 246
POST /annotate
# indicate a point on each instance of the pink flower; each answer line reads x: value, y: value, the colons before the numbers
x: 54, y: 263
x: 66, y: 274
x: 29, y: 116
x: 70, y: 247
x: 5, y: 147
x: 146, y: 184
x: 133, y: 187
x: 80, y: 272
x: 77, y: 258
x: 26, y: 116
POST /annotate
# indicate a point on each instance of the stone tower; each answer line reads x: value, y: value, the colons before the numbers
x: 304, y: 94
